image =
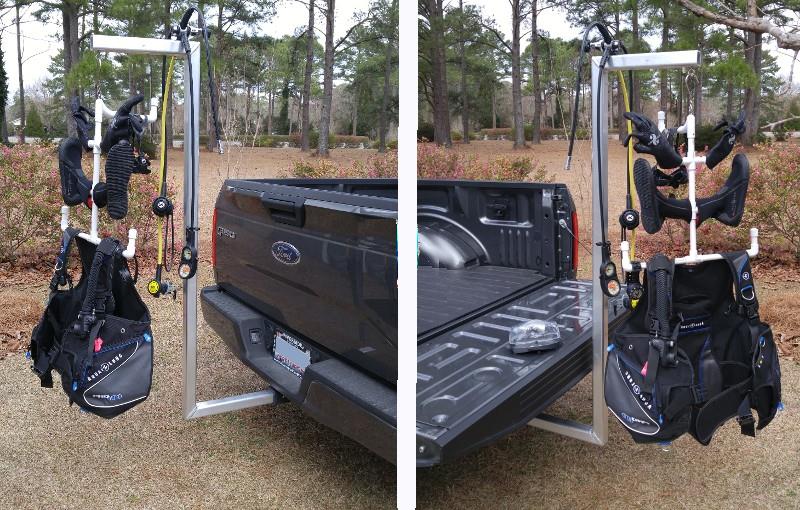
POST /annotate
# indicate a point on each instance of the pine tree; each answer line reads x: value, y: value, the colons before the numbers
x: 3, y: 96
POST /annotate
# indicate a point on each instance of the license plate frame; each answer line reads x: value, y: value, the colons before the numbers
x: 290, y: 353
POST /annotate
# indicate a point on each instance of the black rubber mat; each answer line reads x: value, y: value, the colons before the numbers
x: 444, y: 295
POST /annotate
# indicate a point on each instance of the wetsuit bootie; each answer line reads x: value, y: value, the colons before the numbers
x: 726, y: 206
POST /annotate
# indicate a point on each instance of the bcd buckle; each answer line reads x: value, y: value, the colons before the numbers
x: 747, y: 424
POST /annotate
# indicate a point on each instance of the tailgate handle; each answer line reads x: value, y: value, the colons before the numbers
x: 286, y: 210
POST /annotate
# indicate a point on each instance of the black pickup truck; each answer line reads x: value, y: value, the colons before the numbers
x: 306, y: 296
x: 491, y: 256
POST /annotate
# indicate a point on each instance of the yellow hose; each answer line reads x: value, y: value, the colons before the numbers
x: 162, y: 167
x: 630, y: 155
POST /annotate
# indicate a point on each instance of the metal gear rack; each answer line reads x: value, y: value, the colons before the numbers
x: 191, y: 178
x: 597, y: 431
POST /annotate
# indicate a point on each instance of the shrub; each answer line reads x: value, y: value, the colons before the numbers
x: 29, y: 198
x: 772, y: 207
x: 30, y: 203
x: 390, y: 144
x: 313, y: 139
x: 779, y: 134
x: 377, y: 166
x: 438, y: 163
x: 705, y: 136
x: 425, y: 131
x: 496, y: 133
x: 272, y: 141
x: 456, y: 136
x: 352, y: 140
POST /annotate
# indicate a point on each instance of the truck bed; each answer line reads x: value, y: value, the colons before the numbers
x: 445, y: 295
x: 471, y: 388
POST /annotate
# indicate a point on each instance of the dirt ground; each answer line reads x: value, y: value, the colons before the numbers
x: 275, y: 457
x: 268, y: 457
x: 536, y: 469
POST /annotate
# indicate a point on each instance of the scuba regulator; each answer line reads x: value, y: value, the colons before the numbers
x: 629, y: 219
x: 162, y: 206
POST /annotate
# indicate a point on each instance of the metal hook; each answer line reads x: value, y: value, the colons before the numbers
x: 691, y: 83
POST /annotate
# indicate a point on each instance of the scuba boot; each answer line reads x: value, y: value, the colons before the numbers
x: 726, y: 206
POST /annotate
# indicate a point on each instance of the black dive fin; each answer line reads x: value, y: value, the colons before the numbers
x: 726, y: 206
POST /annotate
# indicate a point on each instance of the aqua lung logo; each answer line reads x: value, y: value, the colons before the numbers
x: 637, y: 390
x: 104, y: 368
x: 633, y: 419
x: 695, y: 325
x: 111, y: 398
x: 285, y: 253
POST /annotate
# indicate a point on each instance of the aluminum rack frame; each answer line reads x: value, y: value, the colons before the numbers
x: 191, y: 179
x: 597, y: 431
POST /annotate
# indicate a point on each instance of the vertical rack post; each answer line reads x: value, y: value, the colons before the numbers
x: 191, y: 183
x: 597, y: 432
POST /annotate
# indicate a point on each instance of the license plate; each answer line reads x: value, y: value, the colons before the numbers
x: 291, y: 353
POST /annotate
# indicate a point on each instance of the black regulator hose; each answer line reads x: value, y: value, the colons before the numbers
x: 188, y: 257
x: 606, y: 35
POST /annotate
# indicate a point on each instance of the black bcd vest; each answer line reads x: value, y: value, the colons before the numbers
x: 95, y: 334
x: 693, y: 354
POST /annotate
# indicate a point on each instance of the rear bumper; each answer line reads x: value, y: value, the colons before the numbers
x: 331, y: 391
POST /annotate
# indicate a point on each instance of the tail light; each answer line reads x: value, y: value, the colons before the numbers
x: 214, y: 239
x: 575, y: 238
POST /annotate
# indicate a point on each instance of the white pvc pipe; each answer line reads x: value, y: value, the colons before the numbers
x: 628, y: 266
x: 662, y: 121
x: 690, y: 132
x: 691, y: 161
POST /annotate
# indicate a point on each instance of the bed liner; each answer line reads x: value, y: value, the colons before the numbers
x: 445, y: 296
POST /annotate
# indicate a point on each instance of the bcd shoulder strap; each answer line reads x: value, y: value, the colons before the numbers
x: 765, y: 394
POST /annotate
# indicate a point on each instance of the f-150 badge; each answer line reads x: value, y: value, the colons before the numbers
x: 285, y: 253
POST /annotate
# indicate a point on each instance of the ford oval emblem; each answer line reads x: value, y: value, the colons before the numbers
x: 285, y: 253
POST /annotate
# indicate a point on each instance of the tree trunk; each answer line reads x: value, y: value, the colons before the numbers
x: 69, y: 18
x: 494, y: 106
x: 664, y: 99
x: 441, y: 107
x: 729, y: 86
x: 633, y: 90
x: 354, y: 118
x: 463, y: 69
x: 21, y: 133
x: 327, y: 94
x: 387, y: 78
x: 536, y: 136
x: 219, y: 40
x: 698, y: 90
x: 305, y: 137
x: 270, y: 110
x: 516, y: 75
x: 752, y: 100
x: 3, y: 96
